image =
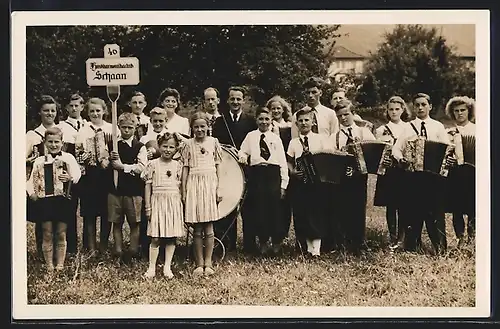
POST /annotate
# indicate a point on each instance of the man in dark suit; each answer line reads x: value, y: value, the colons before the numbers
x: 231, y: 128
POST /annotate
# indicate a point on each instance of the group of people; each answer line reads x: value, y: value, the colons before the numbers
x: 165, y: 173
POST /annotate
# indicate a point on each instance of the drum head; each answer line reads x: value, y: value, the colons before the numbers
x: 231, y: 182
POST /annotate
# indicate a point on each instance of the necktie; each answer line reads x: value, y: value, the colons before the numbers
x: 315, y: 121
x: 78, y: 125
x: 306, y: 144
x: 139, y: 119
x: 350, y: 131
x: 264, y: 149
x: 423, y: 131
x: 235, y: 117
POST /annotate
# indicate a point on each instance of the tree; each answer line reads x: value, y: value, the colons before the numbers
x: 267, y: 59
x: 415, y: 59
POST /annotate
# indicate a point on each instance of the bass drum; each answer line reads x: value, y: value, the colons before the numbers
x: 231, y: 181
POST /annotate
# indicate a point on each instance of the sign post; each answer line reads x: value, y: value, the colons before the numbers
x: 113, y: 71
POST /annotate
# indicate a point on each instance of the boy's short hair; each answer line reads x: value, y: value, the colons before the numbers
x: 344, y: 103
x: 137, y: 93
x: 46, y: 99
x: 76, y: 97
x: 211, y: 88
x: 312, y: 82
x: 421, y: 95
x: 261, y: 110
x: 96, y: 101
x: 198, y: 115
x: 157, y: 111
x: 459, y: 100
x: 302, y: 112
x: 237, y: 88
x: 128, y: 118
x: 53, y: 131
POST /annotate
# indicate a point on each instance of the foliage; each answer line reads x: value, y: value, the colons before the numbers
x: 267, y: 60
x: 414, y: 59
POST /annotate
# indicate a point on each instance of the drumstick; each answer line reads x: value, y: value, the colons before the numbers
x: 229, y: 131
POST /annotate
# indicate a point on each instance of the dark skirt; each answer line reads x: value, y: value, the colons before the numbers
x: 55, y: 209
x: 389, y: 188
x: 93, y: 192
x: 264, y: 201
x: 461, y: 190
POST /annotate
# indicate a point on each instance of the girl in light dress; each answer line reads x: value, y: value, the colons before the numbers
x: 201, y: 157
x: 163, y: 203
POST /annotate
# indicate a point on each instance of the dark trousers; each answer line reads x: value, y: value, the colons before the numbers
x: 426, y: 205
x: 264, y: 204
x: 353, y: 204
x: 396, y: 223
x: 144, y: 239
x: 459, y: 224
x: 72, y: 229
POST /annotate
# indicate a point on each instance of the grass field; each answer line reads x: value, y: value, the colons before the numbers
x: 376, y: 278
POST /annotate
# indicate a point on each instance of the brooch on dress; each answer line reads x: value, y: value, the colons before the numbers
x: 202, y: 150
x: 169, y: 173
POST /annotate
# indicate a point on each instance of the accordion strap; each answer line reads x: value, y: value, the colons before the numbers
x: 41, y: 136
x: 390, y: 131
x: 414, y: 128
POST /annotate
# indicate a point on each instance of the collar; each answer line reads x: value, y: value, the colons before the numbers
x: 315, y: 107
x: 401, y: 123
x: 73, y: 120
x: 308, y: 135
x: 238, y: 115
x: 353, y: 126
x: 267, y: 132
x: 41, y: 128
x: 163, y: 131
x: 216, y: 114
x: 426, y: 120
x: 128, y: 141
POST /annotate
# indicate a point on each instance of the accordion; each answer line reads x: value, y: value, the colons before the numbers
x: 428, y: 156
x: 46, y: 181
x: 465, y: 149
x: 324, y: 167
x: 369, y: 156
x: 97, y: 146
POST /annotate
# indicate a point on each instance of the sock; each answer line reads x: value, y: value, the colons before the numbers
x: 48, y: 253
x: 198, y: 249
x: 309, y: 245
x: 209, y: 249
x: 316, y: 246
x: 61, y: 253
x: 169, y: 254
x: 153, y: 256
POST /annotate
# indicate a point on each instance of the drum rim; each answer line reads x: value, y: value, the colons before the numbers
x: 226, y: 147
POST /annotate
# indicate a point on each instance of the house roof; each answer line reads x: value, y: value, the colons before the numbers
x: 341, y: 52
x: 364, y: 39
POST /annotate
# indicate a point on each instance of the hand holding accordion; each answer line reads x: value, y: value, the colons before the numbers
x: 429, y: 156
x: 372, y: 157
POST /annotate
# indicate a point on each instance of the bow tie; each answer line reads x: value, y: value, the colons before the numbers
x: 56, y: 154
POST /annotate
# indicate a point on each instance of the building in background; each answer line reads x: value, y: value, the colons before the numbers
x: 352, y: 49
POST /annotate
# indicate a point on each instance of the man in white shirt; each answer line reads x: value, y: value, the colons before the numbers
x: 324, y: 121
x: 425, y: 190
x: 211, y: 104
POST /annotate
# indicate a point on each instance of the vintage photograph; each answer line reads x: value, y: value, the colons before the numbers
x: 285, y: 164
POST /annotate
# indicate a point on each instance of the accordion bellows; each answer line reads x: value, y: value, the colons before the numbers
x: 97, y: 146
x: 324, y: 167
x: 465, y: 149
x: 370, y: 155
x: 46, y: 181
x: 426, y: 155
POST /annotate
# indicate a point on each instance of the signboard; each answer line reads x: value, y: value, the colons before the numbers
x: 117, y: 71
